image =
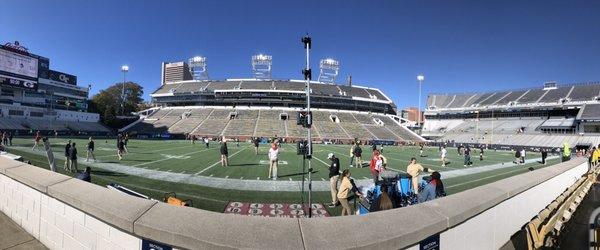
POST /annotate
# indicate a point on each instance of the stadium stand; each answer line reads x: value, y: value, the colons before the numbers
x: 265, y: 108
x: 526, y: 117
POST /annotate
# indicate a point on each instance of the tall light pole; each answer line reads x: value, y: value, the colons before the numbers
x: 124, y: 69
x: 307, y: 41
x: 420, y: 78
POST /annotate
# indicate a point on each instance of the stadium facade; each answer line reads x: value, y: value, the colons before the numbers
x: 537, y: 117
x: 34, y: 97
x: 264, y: 107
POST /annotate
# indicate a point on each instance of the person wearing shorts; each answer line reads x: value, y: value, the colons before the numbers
x: 37, y: 139
x: 120, y: 149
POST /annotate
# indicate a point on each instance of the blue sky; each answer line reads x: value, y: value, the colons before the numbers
x: 458, y: 45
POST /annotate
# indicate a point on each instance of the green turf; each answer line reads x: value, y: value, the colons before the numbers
x: 181, y: 157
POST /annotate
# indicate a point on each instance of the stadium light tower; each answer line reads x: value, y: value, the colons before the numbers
x: 329, y: 69
x: 420, y: 78
x: 124, y: 69
x: 261, y: 66
x: 198, y: 68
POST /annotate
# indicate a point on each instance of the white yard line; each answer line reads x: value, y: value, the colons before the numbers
x: 214, y: 164
x: 153, y: 151
x: 150, y: 162
x: 487, y: 177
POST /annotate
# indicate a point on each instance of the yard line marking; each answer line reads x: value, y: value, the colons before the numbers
x: 364, y: 177
x: 182, y: 172
x: 153, y: 151
x: 214, y: 164
x: 487, y: 177
x: 323, y: 179
x: 190, y: 153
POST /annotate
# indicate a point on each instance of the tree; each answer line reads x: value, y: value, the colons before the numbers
x: 107, y: 102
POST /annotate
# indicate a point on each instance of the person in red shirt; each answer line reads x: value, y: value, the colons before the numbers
x: 376, y: 165
x: 36, y: 141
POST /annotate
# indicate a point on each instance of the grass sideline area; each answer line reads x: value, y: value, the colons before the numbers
x: 180, y: 156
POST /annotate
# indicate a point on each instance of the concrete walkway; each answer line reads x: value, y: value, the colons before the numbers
x: 13, y: 237
x: 256, y: 185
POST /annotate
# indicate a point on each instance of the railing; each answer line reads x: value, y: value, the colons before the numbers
x: 63, y: 212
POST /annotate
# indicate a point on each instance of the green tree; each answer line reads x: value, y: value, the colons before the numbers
x: 107, y: 102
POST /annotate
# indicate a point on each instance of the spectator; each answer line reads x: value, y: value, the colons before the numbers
x: 224, y: 154
x: 433, y: 189
x: 67, y: 166
x: 73, y: 158
x: 414, y: 169
x: 90, y: 150
x: 523, y: 155
x: 344, y: 192
x: 273, y: 161
x: 86, y: 175
x: 358, y: 155
x: 384, y: 203
x: 206, y: 141
x: 334, y: 174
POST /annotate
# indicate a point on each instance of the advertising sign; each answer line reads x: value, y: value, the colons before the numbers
x: 18, y: 64
x: 17, y: 82
x: 62, y: 77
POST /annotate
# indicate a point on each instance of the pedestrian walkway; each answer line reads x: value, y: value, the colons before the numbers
x: 13, y: 237
x: 258, y: 185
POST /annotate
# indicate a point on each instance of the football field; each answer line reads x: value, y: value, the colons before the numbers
x: 177, y: 162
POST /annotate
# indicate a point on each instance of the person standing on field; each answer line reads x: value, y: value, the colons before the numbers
x: 224, y: 154
x: 273, y: 161
x: 67, y: 166
x: 357, y: 156
x: 443, y: 155
x: 256, y: 142
x: 73, y: 158
x: 414, y: 169
x: 90, y: 150
x: 334, y: 174
x: 352, y: 152
x: 544, y: 155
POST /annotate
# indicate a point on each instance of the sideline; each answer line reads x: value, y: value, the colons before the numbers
x: 255, y: 185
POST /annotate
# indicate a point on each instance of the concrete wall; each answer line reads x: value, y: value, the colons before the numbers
x: 65, y: 213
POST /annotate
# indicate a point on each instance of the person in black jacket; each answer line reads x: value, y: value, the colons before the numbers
x: 334, y: 174
x: 224, y: 154
x: 544, y: 155
x: 73, y: 158
x: 67, y: 166
x: 86, y: 175
x: 256, y: 142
